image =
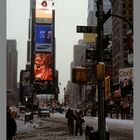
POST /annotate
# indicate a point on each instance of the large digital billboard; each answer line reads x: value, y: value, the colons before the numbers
x: 43, y: 66
x: 126, y: 81
x: 43, y: 11
x: 43, y: 35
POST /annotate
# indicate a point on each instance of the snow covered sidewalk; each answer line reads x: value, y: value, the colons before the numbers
x: 21, y: 126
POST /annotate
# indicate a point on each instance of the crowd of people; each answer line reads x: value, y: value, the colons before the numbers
x: 115, y: 107
x: 120, y: 107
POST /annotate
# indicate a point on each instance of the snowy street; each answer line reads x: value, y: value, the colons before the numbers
x: 55, y: 128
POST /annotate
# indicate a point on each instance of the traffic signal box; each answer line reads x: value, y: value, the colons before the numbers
x: 99, y: 71
x: 79, y: 75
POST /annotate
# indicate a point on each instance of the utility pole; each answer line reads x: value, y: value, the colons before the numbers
x: 100, y: 50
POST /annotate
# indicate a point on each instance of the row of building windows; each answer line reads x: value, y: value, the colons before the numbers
x: 127, y: 5
x: 127, y: 12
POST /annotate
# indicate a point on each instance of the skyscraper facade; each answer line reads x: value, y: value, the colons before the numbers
x: 123, y: 8
x: 12, y: 96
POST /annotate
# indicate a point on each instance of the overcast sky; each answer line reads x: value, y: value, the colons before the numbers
x: 69, y: 14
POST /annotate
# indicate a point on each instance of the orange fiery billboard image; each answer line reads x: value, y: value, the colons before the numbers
x: 43, y: 66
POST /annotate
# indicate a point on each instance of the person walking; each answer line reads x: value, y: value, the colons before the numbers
x: 79, y: 122
x: 11, y: 126
x: 70, y: 120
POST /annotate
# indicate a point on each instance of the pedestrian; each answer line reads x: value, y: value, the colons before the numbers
x: 70, y: 120
x: 11, y: 126
x: 79, y: 122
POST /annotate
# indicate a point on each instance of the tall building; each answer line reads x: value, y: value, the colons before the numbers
x: 79, y: 55
x: 92, y: 19
x: 12, y: 95
x: 123, y: 8
x: 41, y: 23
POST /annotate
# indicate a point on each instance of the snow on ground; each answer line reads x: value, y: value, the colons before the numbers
x: 21, y: 126
x: 95, y: 119
x: 54, y: 129
x: 40, y: 129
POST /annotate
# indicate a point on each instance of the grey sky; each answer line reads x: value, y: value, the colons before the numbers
x: 69, y: 13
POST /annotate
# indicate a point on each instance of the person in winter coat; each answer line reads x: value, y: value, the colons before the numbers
x: 79, y: 122
x: 70, y: 119
x: 11, y: 126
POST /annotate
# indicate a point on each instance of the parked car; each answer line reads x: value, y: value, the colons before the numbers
x: 45, y: 111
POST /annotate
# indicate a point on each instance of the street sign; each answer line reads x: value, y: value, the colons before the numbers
x: 91, y: 54
x: 86, y: 29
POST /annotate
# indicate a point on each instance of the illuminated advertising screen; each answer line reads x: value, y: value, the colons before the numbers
x: 43, y: 40
x: 44, y: 11
x: 43, y: 66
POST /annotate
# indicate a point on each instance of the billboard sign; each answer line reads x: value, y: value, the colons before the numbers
x: 43, y: 66
x: 126, y: 73
x: 44, y: 11
x: 43, y: 38
x: 126, y: 81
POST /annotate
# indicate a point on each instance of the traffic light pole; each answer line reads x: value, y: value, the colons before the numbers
x: 101, y: 19
x: 100, y: 50
x: 32, y: 59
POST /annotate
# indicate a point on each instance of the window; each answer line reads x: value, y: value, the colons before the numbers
x: 124, y: 12
x: 123, y: 5
x: 125, y: 41
x: 125, y: 48
x: 124, y: 26
x: 130, y: 5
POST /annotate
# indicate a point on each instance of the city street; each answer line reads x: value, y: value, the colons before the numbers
x: 55, y: 128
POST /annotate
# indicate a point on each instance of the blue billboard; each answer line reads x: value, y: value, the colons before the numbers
x: 43, y: 38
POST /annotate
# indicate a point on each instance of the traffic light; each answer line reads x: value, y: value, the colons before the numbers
x: 79, y: 75
x: 99, y: 71
x: 105, y: 42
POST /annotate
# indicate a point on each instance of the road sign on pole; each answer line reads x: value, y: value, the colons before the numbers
x: 86, y: 29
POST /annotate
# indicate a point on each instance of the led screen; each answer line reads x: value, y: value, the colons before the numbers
x: 44, y: 11
x: 43, y: 38
x: 43, y: 66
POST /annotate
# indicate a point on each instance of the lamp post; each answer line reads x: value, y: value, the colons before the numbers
x: 100, y: 50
